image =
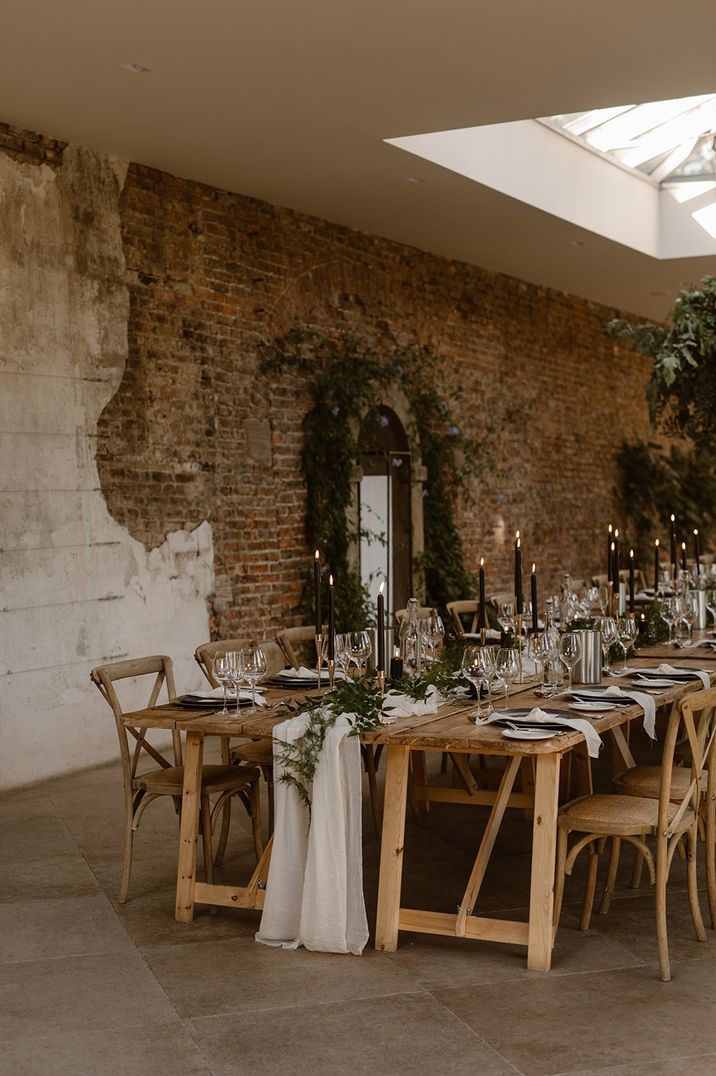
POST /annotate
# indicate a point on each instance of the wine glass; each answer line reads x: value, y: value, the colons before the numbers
x: 343, y: 653
x: 608, y: 631
x: 223, y: 671
x: 252, y: 663
x: 670, y: 610
x: 507, y: 667
x: 689, y: 612
x: 711, y: 605
x: 473, y: 669
x: 626, y: 634
x: 237, y: 675
x: 433, y: 631
x: 506, y: 617
x: 360, y: 649
x: 488, y: 656
x: 569, y: 650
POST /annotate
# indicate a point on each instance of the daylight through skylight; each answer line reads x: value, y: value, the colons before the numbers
x: 671, y: 142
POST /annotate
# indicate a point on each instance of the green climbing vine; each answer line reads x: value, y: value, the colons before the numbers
x: 348, y: 381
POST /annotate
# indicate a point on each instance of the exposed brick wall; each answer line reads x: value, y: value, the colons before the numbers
x: 30, y: 147
x: 212, y: 276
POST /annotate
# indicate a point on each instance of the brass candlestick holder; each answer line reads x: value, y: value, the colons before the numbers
x: 518, y: 632
x: 331, y: 673
x: 483, y: 636
x: 319, y: 658
x: 381, y: 682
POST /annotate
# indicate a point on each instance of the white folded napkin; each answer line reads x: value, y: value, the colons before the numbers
x: 645, y: 701
x: 539, y: 717
x: 301, y: 673
x: 702, y: 674
x: 396, y: 705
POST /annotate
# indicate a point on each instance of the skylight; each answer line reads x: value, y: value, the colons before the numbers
x: 671, y: 142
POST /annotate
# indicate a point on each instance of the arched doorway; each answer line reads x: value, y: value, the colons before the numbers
x: 389, y: 512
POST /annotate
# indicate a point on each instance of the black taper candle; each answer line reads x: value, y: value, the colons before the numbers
x: 673, y: 561
x: 533, y: 599
x: 317, y: 589
x: 612, y: 576
x: 697, y: 551
x: 331, y: 622
x: 617, y: 559
x: 380, y: 663
x: 609, y: 553
x: 631, y: 580
x: 656, y: 566
x: 518, y: 575
x: 684, y: 566
x: 481, y: 610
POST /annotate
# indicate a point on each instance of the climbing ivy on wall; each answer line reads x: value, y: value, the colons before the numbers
x: 348, y: 381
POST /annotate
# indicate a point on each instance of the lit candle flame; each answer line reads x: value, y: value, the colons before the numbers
x: 317, y: 555
x: 616, y: 533
x: 673, y: 518
x: 696, y: 530
x: 610, y: 528
x: 518, y: 541
x: 330, y: 580
x: 517, y: 535
x: 534, y: 568
x: 656, y: 543
x: 482, y: 562
x: 631, y: 554
x: 613, y: 547
x: 381, y: 587
x: 683, y: 545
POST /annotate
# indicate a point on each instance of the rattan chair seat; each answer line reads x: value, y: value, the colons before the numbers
x: 170, y: 781
x: 615, y: 814
x: 646, y: 781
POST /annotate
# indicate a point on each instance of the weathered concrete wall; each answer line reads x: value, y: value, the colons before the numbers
x: 75, y: 589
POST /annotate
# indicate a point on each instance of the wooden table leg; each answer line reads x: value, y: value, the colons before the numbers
x: 544, y: 852
x: 188, y: 830
x: 391, y: 849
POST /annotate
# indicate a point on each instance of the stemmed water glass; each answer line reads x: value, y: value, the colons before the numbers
x: 252, y: 666
x: 670, y: 610
x: 360, y: 649
x: 608, y: 631
x: 626, y: 634
x: 433, y: 631
x: 224, y: 671
x: 473, y: 669
x: 488, y: 656
x: 343, y: 653
x: 569, y: 650
x: 689, y: 613
x: 507, y: 667
x: 237, y: 675
x: 506, y: 617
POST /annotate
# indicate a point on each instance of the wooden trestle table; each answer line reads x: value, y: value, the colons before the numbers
x: 447, y: 731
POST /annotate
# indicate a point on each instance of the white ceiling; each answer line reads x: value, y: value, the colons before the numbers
x: 291, y: 101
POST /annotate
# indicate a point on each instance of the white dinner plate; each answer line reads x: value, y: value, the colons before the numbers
x: 592, y: 707
x: 527, y: 734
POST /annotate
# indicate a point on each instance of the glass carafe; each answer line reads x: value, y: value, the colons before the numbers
x: 411, y: 647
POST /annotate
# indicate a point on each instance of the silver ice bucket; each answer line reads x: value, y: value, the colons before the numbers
x: 588, y: 667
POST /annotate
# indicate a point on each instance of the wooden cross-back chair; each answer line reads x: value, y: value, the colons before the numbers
x: 299, y: 645
x: 167, y: 776
x: 424, y: 611
x: 459, y: 609
x: 255, y: 752
x: 670, y: 817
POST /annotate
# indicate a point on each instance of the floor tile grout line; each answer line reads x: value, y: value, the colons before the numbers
x: 477, y: 1035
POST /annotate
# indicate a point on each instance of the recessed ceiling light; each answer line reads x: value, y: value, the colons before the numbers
x: 136, y: 69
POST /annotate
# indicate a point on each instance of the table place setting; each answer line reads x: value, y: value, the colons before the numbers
x: 623, y: 697
x: 522, y: 723
x: 215, y: 697
x: 672, y: 674
x: 303, y: 677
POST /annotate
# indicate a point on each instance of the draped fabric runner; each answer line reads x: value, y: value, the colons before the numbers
x: 537, y: 717
x: 645, y: 701
x: 314, y: 895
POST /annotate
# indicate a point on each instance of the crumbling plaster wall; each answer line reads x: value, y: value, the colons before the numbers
x: 76, y: 589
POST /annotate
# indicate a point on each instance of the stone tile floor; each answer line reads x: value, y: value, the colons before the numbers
x: 92, y: 988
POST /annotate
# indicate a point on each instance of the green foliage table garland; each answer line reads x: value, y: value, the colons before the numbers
x: 361, y: 700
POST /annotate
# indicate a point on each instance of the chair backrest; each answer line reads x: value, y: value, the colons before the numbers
x: 694, y: 715
x: 298, y: 645
x: 424, y: 611
x: 204, y: 656
x: 599, y: 580
x: 106, y: 676
x: 458, y: 610
x: 502, y: 596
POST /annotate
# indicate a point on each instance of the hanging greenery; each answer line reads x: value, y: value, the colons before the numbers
x: 348, y: 381
x: 681, y: 393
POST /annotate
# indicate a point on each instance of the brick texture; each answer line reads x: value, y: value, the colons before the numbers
x: 213, y: 276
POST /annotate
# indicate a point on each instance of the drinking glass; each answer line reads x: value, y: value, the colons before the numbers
x: 569, y: 649
x: 507, y: 667
x: 545, y: 650
x: 343, y: 653
x: 223, y: 671
x: 626, y: 634
x: 689, y: 612
x: 433, y: 632
x: 670, y: 611
x: 506, y: 617
x: 711, y: 606
x: 488, y: 656
x: 608, y: 630
x: 237, y: 675
x: 473, y: 670
x: 252, y: 664
x: 360, y: 649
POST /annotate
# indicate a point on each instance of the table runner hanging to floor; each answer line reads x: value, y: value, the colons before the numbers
x: 314, y: 896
